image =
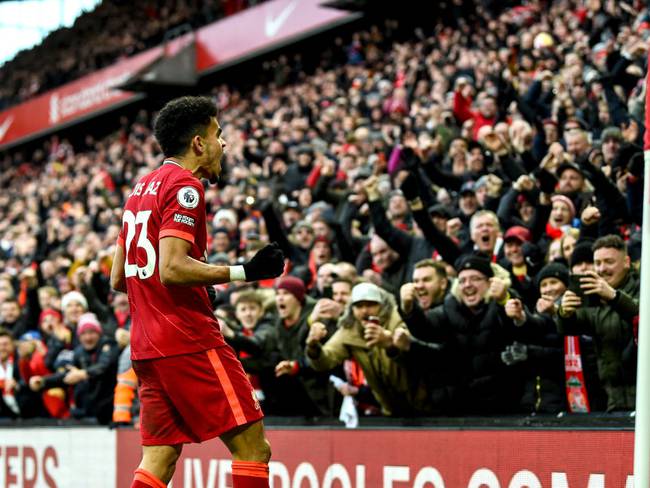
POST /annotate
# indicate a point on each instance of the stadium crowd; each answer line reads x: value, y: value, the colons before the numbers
x: 115, y: 29
x: 460, y: 209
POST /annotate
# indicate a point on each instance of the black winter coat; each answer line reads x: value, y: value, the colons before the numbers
x: 473, y: 341
x: 93, y: 397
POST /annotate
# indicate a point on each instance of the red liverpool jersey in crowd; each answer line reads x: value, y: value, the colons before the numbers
x: 166, y: 320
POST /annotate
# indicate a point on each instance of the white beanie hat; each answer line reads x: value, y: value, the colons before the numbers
x: 73, y: 296
x: 225, y: 214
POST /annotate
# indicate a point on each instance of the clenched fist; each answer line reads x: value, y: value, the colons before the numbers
x: 317, y: 332
x: 515, y: 310
x: 545, y: 304
x: 402, y: 339
x: 286, y: 367
x: 407, y: 296
x: 590, y: 215
x: 371, y: 186
x: 498, y: 289
x: 267, y: 263
x: 36, y: 383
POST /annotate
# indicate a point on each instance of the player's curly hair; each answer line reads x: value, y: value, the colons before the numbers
x: 180, y: 120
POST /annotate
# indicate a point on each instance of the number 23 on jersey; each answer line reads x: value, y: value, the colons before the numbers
x: 131, y: 222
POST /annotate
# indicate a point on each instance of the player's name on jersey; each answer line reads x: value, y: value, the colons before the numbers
x: 152, y: 189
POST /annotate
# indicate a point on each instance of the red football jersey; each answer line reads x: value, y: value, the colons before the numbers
x: 166, y: 320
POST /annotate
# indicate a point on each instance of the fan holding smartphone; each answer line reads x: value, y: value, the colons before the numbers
x: 587, y: 287
x: 614, y: 285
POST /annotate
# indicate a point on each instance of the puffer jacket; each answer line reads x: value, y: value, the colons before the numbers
x: 473, y: 341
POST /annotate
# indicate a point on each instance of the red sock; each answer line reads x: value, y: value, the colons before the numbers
x: 249, y: 474
x: 144, y: 479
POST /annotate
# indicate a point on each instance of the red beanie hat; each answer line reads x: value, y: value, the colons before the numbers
x: 293, y: 285
x: 322, y: 239
x: 566, y: 201
x: 47, y: 312
x: 88, y: 321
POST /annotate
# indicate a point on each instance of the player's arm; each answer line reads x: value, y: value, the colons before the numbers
x: 118, y: 280
x: 176, y: 267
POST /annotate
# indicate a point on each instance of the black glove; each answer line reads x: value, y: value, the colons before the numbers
x: 410, y: 187
x: 516, y: 353
x: 267, y: 263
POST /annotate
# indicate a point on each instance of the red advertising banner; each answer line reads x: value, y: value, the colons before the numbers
x: 264, y: 26
x: 72, y: 102
x: 413, y: 459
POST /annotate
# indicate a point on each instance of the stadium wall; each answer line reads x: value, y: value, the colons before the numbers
x: 335, y: 458
x: 58, y: 458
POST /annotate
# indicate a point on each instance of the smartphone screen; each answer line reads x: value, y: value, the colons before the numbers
x: 327, y: 292
x: 574, y: 285
x: 587, y: 300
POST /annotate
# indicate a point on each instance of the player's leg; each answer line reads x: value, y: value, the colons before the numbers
x: 251, y: 452
x: 213, y: 397
x: 161, y: 429
x: 157, y: 466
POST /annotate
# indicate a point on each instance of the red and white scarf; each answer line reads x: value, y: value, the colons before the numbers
x: 576, y: 389
x: 7, y: 372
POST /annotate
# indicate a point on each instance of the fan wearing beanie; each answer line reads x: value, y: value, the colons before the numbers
x: 93, y: 372
x: 537, y: 352
x: 582, y: 258
x: 293, y: 285
x: 73, y: 305
x: 61, y: 327
x: 88, y: 323
x: 474, y: 323
x: 476, y: 283
x: 552, y: 282
x: 48, y: 318
x: 563, y: 211
x: 299, y: 389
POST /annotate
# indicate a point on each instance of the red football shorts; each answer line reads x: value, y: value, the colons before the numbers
x: 193, y: 397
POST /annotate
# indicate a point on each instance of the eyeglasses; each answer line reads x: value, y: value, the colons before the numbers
x: 473, y: 280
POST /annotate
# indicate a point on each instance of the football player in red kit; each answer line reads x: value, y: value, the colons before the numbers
x: 192, y: 387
